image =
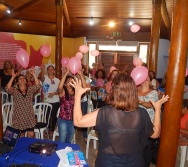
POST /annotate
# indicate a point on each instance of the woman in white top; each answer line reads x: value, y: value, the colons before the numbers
x: 50, y: 93
x: 146, y: 94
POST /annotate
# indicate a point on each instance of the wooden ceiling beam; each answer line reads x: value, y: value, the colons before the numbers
x: 66, y: 16
x: 19, y: 10
x: 165, y: 18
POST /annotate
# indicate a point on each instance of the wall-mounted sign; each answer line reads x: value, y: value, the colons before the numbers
x: 116, y: 34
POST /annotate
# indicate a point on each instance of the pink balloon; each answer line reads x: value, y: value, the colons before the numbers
x: 137, y: 62
x: 74, y: 65
x: 64, y: 61
x: 45, y: 50
x: 79, y: 55
x: 22, y: 58
x: 135, y: 28
x: 100, y: 82
x: 83, y: 48
x: 139, y: 74
x: 95, y: 53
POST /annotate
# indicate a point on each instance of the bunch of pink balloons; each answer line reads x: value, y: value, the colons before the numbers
x: 95, y: 53
x: 83, y: 49
x: 139, y: 73
x: 64, y: 61
x: 74, y: 65
x: 22, y: 58
x: 45, y: 50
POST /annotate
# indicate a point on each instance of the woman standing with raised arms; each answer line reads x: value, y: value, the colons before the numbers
x: 123, y: 127
x: 23, y: 117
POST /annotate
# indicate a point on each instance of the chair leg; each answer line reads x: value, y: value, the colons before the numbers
x: 54, y: 135
x: 36, y: 135
x: 95, y: 144
x: 183, y: 154
x: 87, y: 145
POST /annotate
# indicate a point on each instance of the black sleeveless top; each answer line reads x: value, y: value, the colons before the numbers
x: 122, y: 132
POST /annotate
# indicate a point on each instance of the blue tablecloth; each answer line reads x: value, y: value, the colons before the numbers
x: 21, y: 154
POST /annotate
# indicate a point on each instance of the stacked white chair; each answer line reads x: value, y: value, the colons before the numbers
x: 41, y: 111
x: 56, y: 132
x: 7, y: 110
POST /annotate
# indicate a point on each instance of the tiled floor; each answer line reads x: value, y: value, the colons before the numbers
x: 92, y: 152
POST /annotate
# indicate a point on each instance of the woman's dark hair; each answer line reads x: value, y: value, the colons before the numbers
x: 154, y: 76
x: 50, y: 66
x: 8, y: 62
x: 123, y: 94
x: 103, y: 74
x: 21, y: 75
x: 65, y: 88
x: 109, y: 78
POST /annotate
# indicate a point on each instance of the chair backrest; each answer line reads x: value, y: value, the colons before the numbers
x: 37, y: 98
x: 4, y: 97
x: 43, y: 112
x: 58, y: 111
x: 7, y: 110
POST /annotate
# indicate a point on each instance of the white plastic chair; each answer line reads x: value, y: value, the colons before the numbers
x: 56, y: 132
x: 184, y: 152
x: 43, y: 113
x: 37, y: 97
x: 4, y: 97
x: 7, y: 110
x: 91, y: 136
x: 90, y: 104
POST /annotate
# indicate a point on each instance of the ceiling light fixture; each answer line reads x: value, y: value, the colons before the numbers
x: 8, y: 7
x: 8, y: 10
x: 20, y: 22
x: 91, y: 21
x: 111, y: 24
x: 130, y: 22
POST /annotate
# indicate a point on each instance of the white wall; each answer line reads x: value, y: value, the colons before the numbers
x: 163, y: 54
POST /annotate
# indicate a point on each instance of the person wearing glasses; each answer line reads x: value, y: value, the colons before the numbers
x: 50, y: 93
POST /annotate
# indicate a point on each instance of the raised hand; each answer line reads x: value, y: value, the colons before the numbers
x: 77, y: 84
x: 32, y: 71
x: 13, y: 73
x: 42, y: 67
x: 157, y: 105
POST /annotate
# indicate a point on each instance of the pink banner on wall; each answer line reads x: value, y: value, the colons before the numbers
x: 9, y: 47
